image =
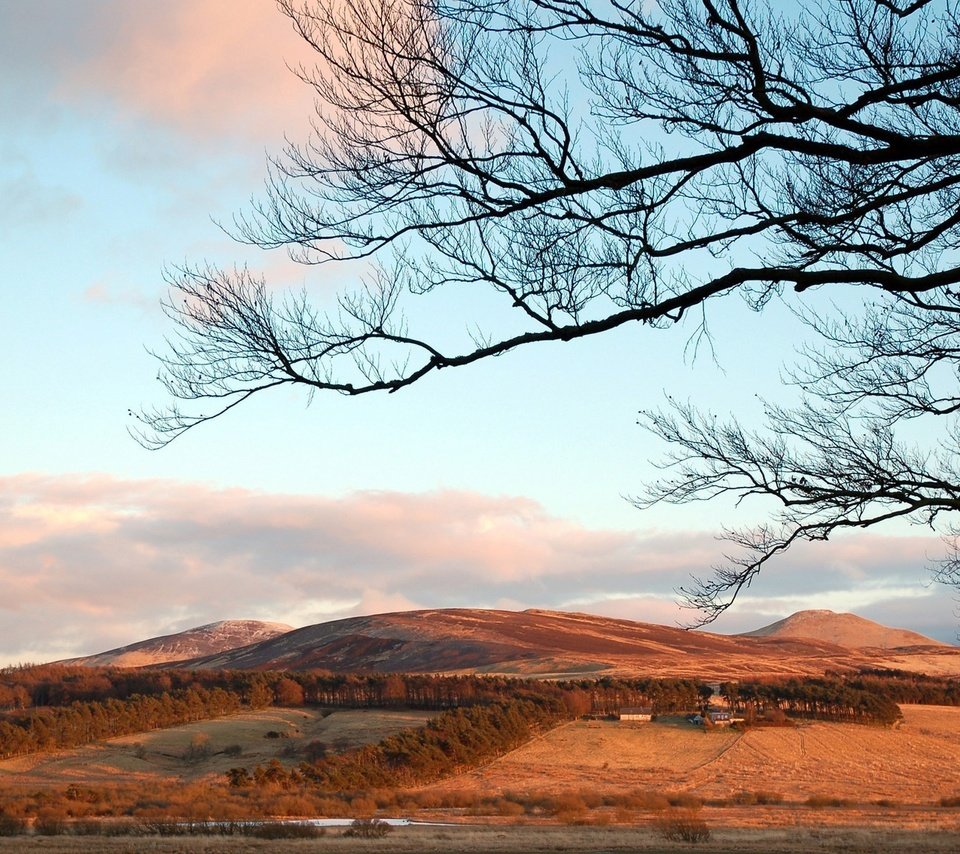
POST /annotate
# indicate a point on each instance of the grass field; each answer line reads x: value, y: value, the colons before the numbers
x: 529, y: 840
x: 160, y: 754
x: 603, y: 754
x: 919, y: 762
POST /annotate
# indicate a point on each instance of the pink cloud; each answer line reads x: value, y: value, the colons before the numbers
x: 90, y: 562
x: 205, y: 67
x: 102, y: 293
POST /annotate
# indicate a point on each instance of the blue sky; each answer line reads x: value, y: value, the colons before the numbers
x: 129, y: 129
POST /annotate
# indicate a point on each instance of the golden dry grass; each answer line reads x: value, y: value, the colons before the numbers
x: 159, y: 754
x: 918, y: 762
x: 601, y: 754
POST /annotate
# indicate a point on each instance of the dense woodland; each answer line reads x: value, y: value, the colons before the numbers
x: 832, y: 699
x: 901, y: 686
x: 82, y: 722
x: 23, y: 688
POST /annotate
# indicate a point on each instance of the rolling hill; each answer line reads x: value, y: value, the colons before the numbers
x: 202, y: 640
x: 558, y: 644
x: 847, y: 630
x: 543, y: 644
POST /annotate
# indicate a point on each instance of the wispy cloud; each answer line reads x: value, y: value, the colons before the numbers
x: 91, y: 562
x: 29, y: 202
x: 208, y: 68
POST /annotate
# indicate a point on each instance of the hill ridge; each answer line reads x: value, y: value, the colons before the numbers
x: 537, y: 643
x: 544, y: 643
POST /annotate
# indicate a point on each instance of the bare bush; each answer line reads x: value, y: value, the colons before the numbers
x: 684, y: 800
x: 683, y: 825
x: 286, y: 830
x: 368, y: 828
x: 12, y: 825
x: 49, y: 823
x: 198, y: 749
x: 820, y: 801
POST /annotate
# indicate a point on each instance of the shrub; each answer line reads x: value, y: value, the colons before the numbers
x: 501, y: 806
x: 87, y: 827
x: 685, y: 800
x: 232, y: 750
x: 362, y: 805
x: 642, y: 799
x: 314, y: 751
x: 12, y: 825
x: 568, y: 804
x: 460, y: 799
x: 683, y: 825
x: 239, y: 778
x: 368, y: 828
x: 160, y: 827
x: 820, y: 801
x: 49, y: 824
x: 198, y: 749
x: 285, y: 830
x: 746, y: 798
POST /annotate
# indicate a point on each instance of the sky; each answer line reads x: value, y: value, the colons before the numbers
x: 130, y: 132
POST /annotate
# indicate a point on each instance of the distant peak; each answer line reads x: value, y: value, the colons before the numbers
x: 210, y: 638
x: 847, y: 630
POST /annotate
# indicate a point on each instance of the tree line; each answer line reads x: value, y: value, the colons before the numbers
x: 454, y: 741
x: 38, y: 686
x: 902, y: 686
x: 44, y: 714
x: 82, y: 722
x: 825, y: 699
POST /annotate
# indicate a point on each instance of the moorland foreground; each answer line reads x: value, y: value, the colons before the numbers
x: 585, y: 785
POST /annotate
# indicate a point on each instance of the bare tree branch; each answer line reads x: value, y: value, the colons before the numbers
x: 597, y: 163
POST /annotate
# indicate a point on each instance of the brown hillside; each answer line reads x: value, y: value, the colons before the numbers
x: 192, y: 643
x: 548, y: 643
x: 846, y: 630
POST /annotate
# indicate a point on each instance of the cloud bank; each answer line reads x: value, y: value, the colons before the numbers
x: 92, y: 562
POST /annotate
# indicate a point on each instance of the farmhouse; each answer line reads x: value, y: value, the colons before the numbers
x: 719, y: 717
x: 638, y: 713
